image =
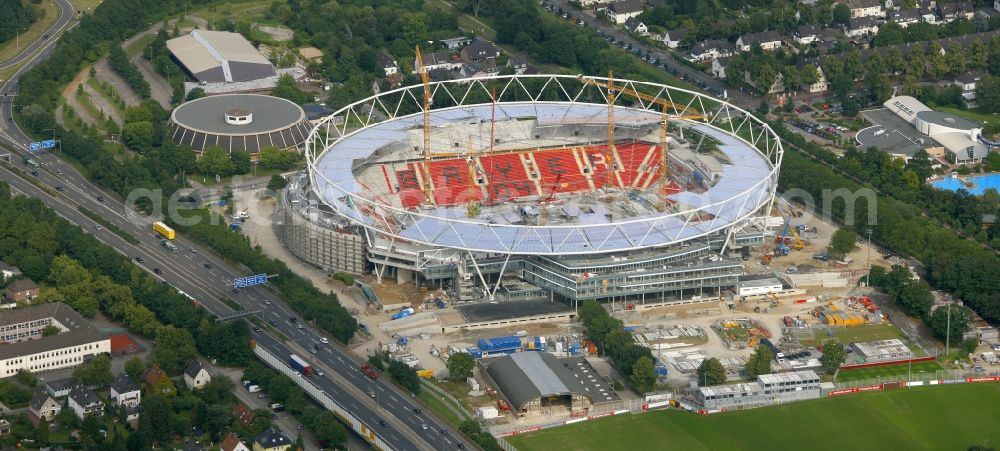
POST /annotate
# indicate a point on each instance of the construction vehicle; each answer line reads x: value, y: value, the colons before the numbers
x: 370, y: 371
x: 766, y: 260
x: 781, y: 250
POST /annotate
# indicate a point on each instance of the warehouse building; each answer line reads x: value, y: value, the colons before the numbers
x: 883, y: 350
x: 22, y: 345
x: 219, y: 56
x: 768, y: 389
x: 539, y: 383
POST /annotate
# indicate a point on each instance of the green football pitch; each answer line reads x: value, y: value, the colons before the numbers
x: 917, y: 371
x: 949, y: 417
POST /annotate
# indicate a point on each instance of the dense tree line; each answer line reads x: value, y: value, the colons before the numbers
x: 952, y: 263
x: 17, y: 15
x: 313, y: 305
x: 280, y: 388
x: 89, y: 276
x: 119, y: 61
x: 612, y: 341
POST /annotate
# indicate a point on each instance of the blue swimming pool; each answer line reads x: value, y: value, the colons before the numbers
x: 982, y: 182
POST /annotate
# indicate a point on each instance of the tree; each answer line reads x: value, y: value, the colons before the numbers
x: 842, y: 241
x: 26, y: 378
x: 286, y: 89
x: 51, y: 331
x: 155, y: 421
x: 763, y: 108
x: 195, y: 93
x: 760, y: 362
x: 217, y: 419
x: 711, y: 372
x: 376, y: 362
x: 833, y: 356
x: 936, y: 60
x: 174, y: 348
x: 643, y: 377
x: 139, y: 135
x: 894, y: 61
x: 405, y: 376
x: 328, y: 429
x: 276, y: 183
x: 988, y: 94
x: 241, y: 162
x: 215, y: 161
x: 460, y: 365
x: 961, y: 321
x: 841, y: 13
x: 134, y: 368
x: 955, y: 58
x: 42, y: 433
x: 96, y: 372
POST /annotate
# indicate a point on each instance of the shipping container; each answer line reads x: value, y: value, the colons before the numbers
x: 300, y: 365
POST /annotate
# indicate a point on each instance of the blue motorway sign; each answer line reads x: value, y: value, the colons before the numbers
x: 47, y: 144
x: 249, y: 281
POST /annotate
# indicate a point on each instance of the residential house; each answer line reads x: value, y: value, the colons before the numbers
x: 711, y: 49
x: 861, y: 26
x: 634, y: 25
x: 776, y: 87
x: 21, y: 290
x: 486, y: 68
x: 60, y: 387
x: 949, y: 12
x: 865, y: 8
x: 767, y: 40
x: 807, y: 34
x: 967, y: 83
x: 905, y: 17
x: 124, y: 392
x: 9, y: 271
x: 387, y: 63
x: 672, y: 39
x: 455, y: 43
x: 719, y: 68
x: 821, y: 82
x: 43, y: 407
x: 196, y: 376
x: 158, y: 382
x: 620, y: 11
x: 271, y: 440
x: 85, y: 402
x: 479, y: 51
x: 440, y: 59
x: 519, y: 63
x: 244, y: 414
x: 4, y: 427
x: 232, y: 443
x: 929, y: 14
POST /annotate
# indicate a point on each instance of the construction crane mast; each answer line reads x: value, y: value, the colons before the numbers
x: 425, y: 77
x: 665, y: 105
x: 610, y: 152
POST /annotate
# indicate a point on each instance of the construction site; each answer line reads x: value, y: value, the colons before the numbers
x: 481, y: 220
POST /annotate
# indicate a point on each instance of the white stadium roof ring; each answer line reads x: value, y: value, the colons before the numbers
x: 353, y: 134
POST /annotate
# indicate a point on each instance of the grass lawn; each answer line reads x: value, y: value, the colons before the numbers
x: 887, y: 371
x: 14, y: 46
x: 933, y: 418
x: 139, y: 45
x: 87, y: 6
x: 433, y: 401
x: 848, y: 335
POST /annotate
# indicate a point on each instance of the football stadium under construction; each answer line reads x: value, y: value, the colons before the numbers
x: 536, y: 187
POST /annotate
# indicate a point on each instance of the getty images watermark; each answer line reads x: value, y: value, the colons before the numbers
x: 836, y: 205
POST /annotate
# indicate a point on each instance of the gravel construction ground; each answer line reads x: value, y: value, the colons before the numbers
x: 931, y: 418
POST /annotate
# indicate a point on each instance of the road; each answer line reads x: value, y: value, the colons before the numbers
x: 66, y: 14
x: 208, y: 278
x: 666, y: 58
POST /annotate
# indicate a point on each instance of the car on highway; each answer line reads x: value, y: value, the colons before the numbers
x: 100, y: 198
x: 313, y: 350
x: 371, y: 394
x: 300, y: 427
x: 59, y: 188
x: 266, y: 302
x: 97, y: 227
x: 139, y: 259
x: 423, y: 426
x: 34, y: 173
x: 324, y: 340
x: 298, y: 326
x: 444, y: 432
x: 273, y: 322
x: 157, y: 271
x: 417, y: 410
x: 274, y: 416
x: 207, y: 266
x: 383, y: 423
x: 256, y: 329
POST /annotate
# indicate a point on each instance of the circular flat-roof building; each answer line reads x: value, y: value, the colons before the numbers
x: 239, y: 122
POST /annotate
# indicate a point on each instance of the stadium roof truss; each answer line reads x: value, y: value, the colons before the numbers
x: 745, y: 188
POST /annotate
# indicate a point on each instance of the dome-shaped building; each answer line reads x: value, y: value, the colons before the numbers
x: 239, y: 122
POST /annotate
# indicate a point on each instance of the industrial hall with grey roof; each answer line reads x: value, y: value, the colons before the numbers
x: 219, y: 56
x: 534, y: 383
x: 239, y: 123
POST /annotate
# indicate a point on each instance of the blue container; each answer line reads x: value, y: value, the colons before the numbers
x: 660, y: 371
x: 631, y: 328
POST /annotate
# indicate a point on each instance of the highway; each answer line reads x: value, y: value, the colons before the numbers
x: 208, y: 278
x: 66, y: 14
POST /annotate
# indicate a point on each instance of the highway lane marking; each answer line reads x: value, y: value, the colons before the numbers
x: 380, y: 388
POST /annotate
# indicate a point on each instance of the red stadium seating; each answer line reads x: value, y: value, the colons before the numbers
x: 451, y: 182
x: 410, y: 193
x: 507, y: 177
x: 552, y: 163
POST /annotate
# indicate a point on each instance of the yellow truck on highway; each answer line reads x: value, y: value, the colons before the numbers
x: 162, y: 229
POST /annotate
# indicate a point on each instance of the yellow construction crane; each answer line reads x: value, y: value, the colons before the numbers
x: 427, y: 125
x: 665, y: 105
